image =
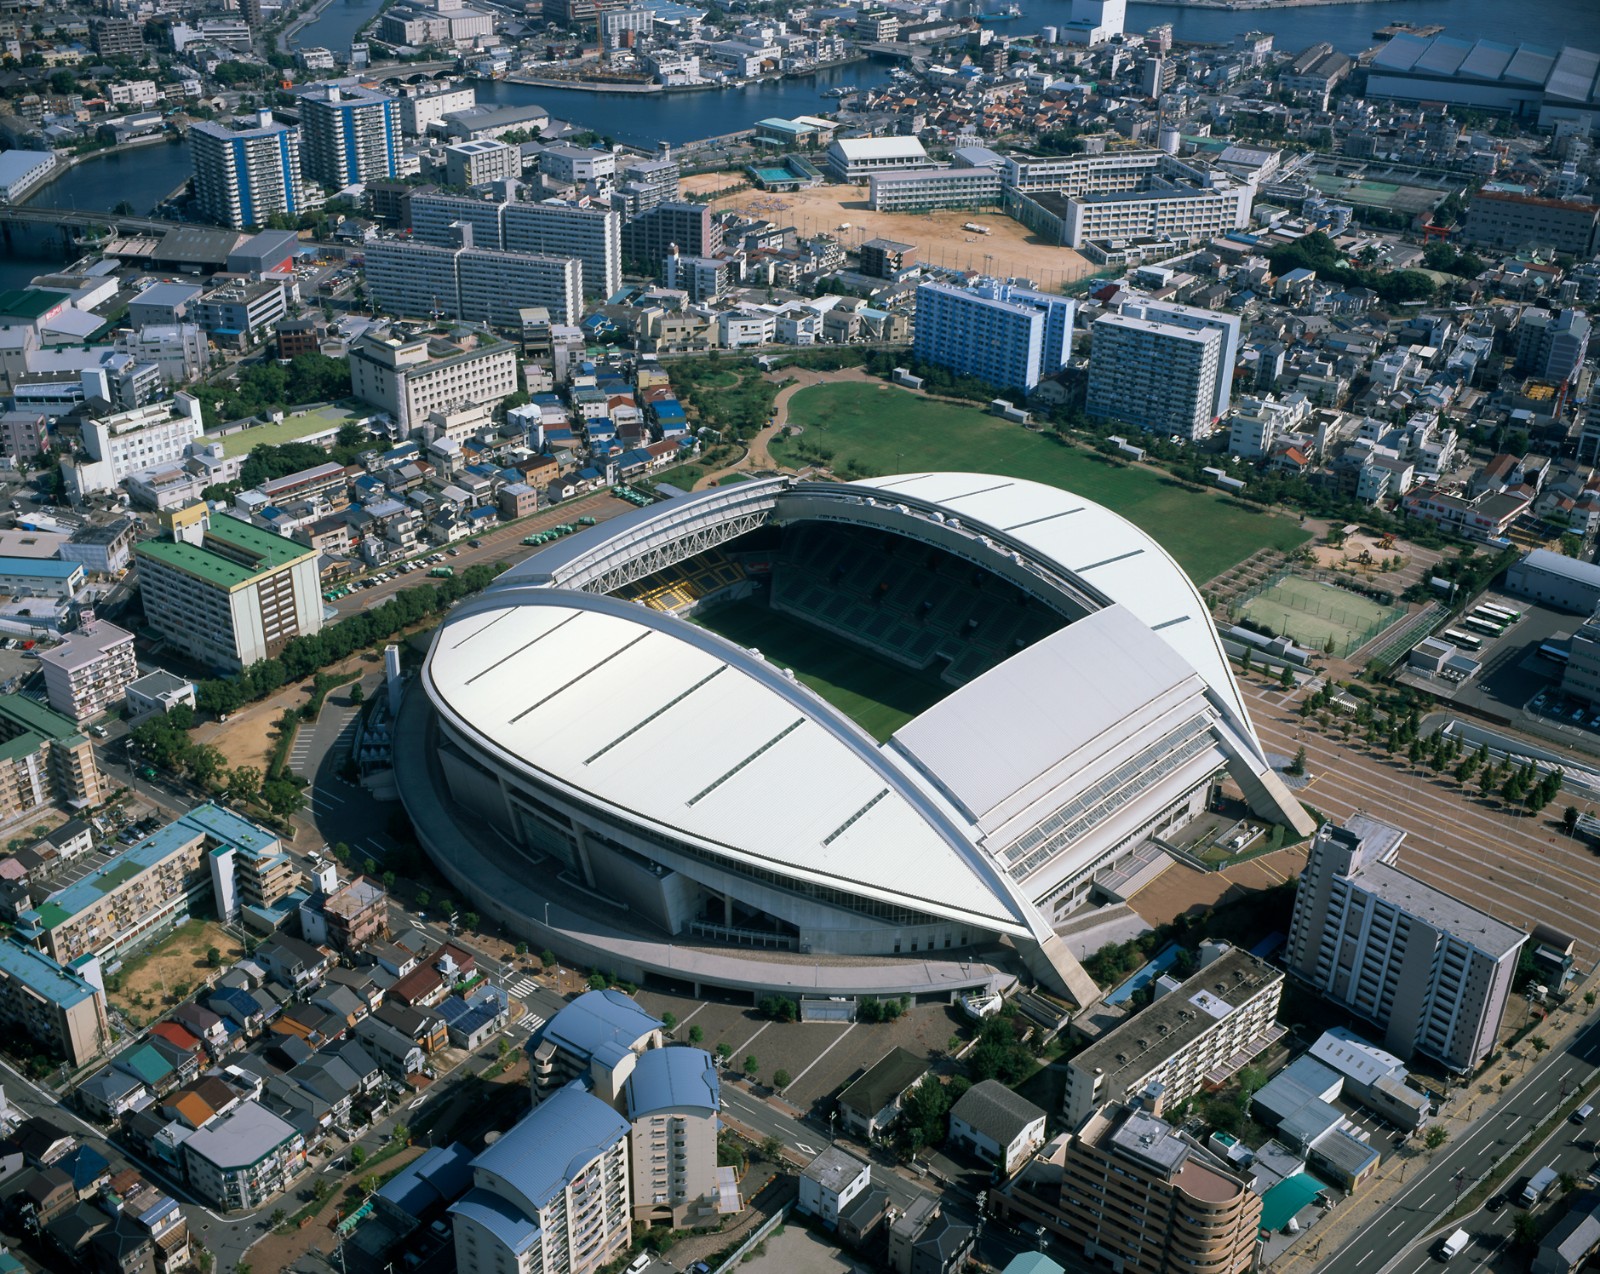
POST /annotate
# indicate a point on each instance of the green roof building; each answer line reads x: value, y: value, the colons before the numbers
x: 227, y: 592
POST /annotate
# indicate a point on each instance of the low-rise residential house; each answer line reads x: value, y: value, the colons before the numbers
x: 997, y: 1125
x: 245, y: 1158
x: 871, y: 1104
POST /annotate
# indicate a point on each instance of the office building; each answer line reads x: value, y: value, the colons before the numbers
x: 243, y: 1158
x: 673, y: 1100
x: 59, y: 1010
x: 550, y: 1194
x: 244, y: 176
x: 1431, y: 972
x: 650, y: 237
x: 89, y: 673
x: 472, y: 163
x: 240, y: 313
x: 44, y: 760
x: 421, y: 104
x: 226, y: 592
x: 1507, y: 220
x: 1227, y: 1007
x: 1122, y: 195
x: 1155, y: 375
x: 128, y: 442
x: 1551, y: 345
x: 926, y: 189
x: 577, y: 165
x: 1008, y: 336
x: 114, y: 37
x: 148, y: 888
x: 476, y: 285
x: 348, y: 135
x: 414, y: 377
x: 1127, y: 1188
x: 599, y: 1037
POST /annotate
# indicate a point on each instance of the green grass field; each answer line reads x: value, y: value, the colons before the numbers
x: 292, y: 429
x: 876, y: 694
x: 885, y: 430
x: 1310, y: 612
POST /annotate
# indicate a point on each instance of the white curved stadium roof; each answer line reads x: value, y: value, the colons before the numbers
x: 672, y: 725
x: 1101, y: 548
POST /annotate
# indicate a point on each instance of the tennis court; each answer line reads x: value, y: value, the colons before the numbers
x: 1311, y: 613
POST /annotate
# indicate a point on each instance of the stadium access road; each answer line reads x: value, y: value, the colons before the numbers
x: 1520, y: 869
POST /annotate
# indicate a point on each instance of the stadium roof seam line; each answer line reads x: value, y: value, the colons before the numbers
x: 770, y: 743
x: 1168, y: 623
x: 520, y: 649
x: 476, y: 632
x: 1048, y: 517
x: 1120, y: 557
x: 963, y: 495
x: 664, y: 708
x: 567, y: 685
x: 854, y: 818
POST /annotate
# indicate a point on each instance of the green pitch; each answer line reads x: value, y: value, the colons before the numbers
x: 878, y: 695
x: 886, y: 430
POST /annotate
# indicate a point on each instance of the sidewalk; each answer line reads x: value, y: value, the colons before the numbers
x: 1467, y: 1106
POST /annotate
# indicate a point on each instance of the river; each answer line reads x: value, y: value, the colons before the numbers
x: 336, y: 26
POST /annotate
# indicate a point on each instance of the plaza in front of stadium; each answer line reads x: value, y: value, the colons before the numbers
x: 872, y: 738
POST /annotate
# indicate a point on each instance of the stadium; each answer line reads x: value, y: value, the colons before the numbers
x: 1019, y: 689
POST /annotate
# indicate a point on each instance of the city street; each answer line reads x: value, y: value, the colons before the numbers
x: 1398, y: 1243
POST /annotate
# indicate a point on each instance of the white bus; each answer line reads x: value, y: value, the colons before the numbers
x: 1482, y: 626
x: 1503, y: 613
x: 1465, y: 640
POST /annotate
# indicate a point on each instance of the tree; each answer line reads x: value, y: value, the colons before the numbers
x: 1505, y: 1080
x: 724, y: 1051
x: 424, y: 898
x: 1436, y: 1136
x: 697, y: 1033
x: 1538, y: 1043
x: 401, y: 1136
x: 1327, y: 646
x: 752, y: 1066
x: 1525, y: 1230
x: 358, y: 1155
x: 213, y: 958
x: 522, y: 949
x: 244, y: 782
x: 780, y: 1079
x: 279, y: 1216
x: 357, y: 694
x: 772, y: 1147
x: 1298, y: 765
x: 924, y: 1113
x: 1569, y: 820
x: 1588, y: 1000
x: 1245, y: 663
x: 1286, y: 678
x: 470, y: 920
x: 206, y: 764
x: 669, y: 1020
x: 389, y: 879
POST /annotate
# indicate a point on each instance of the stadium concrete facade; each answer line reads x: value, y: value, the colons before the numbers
x: 694, y: 812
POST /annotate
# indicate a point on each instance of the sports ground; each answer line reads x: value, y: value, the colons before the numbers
x: 1313, y: 613
x: 878, y: 695
x: 880, y: 429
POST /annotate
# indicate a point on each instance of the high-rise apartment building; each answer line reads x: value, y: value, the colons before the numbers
x: 1229, y: 1006
x: 1430, y: 971
x: 476, y: 285
x: 649, y: 237
x: 349, y: 135
x: 411, y: 378
x: 54, y: 1008
x: 1552, y: 344
x: 1155, y: 375
x: 589, y: 232
x: 117, y: 37
x: 1127, y: 1188
x: 45, y: 760
x: 550, y: 1194
x: 672, y: 1099
x: 1008, y: 336
x: 1197, y: 318
x: 243, y: 176
x: 90, y: 671
x: 226, y: 592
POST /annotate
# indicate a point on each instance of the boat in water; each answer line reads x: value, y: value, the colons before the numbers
x: 1003, y: 14
x: 843, y: 90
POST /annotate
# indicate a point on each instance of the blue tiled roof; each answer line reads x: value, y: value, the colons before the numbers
x: 541, y: 1155
x: 438, y: 1176
x: 598, y: 1021
x: 502, y: 1219
x: 42, y: 975
x: 669, y: 1078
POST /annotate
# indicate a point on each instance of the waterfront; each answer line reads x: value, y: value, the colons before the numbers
x: 336, y: 26
x: 645, y: 120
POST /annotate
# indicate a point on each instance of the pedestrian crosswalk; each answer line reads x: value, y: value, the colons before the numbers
x: 522, y: 986
x: 530, y: 1020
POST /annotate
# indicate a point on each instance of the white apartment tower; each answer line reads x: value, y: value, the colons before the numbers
x: 243, y: 176
x: 1154, y: 375
x: 350, y: 135
x: 551, y: 1194
x: 1431, y: 972
x: 1008, y: 336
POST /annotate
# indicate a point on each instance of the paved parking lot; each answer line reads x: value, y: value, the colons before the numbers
x: 821, y: 1057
